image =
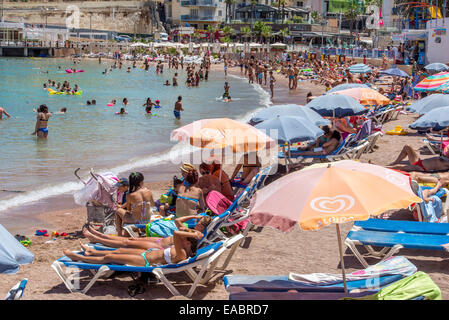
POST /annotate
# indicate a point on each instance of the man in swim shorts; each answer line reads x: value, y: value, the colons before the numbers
x: 178, y: 108
x: 3, y: 112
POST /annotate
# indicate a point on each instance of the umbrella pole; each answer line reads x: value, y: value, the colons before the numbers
x: 340, y: 249
x: 286, y: 156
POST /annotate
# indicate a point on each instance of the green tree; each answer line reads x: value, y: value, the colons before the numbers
x: 266, y: 33
x: 284, y: 33
x: 228, y: 31
x: 211, y: 29
x: 246, y: 32
x: 352, y: 14
x: 258, y: 28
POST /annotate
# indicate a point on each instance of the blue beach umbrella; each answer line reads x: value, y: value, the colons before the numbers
x: 436, y: 118
x: 290, y: 129
x: 433, y: 101
x: 345, y: 86
x: 336, y: 105
x: 395, y: 72
x: 359, y: 68
x: 436, y: 67
x: 12, y: 253
x: 290, y: 110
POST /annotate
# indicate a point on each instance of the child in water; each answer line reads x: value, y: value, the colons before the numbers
x: 166, y: 83
x: 158, y: 104
x: 125, y: 101
x: 122, y: 111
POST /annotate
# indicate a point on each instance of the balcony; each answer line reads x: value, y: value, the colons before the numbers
x: 198, y: 18
x: 199, y: 3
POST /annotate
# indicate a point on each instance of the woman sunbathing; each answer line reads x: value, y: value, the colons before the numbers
x: 418, y: 164
x: 137, y: 204
x: 250, y: 164
x: 327, y: 147
x: 190, y: 198
x: 185, y: 244
x: 125, y: 244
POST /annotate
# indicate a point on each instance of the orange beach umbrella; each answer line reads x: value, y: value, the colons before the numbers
x: 365, y: 96
x: 339, y: 193
x: 221, y: 133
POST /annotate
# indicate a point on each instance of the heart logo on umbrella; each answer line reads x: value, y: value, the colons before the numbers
x: 397, y: 179
x: 332, y: 205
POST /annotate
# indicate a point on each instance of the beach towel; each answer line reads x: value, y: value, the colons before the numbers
x: 364, y: 131
x: 433, y: 209
x: 165, y: 227
x: 414, y: 286
x: 217, y: 202
x: 391, y: 266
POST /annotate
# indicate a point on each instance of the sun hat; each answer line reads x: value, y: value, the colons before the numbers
x: 186, y: 167
x: 122, y: 182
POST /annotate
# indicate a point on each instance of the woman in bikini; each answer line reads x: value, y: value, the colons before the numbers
x: 125, y: 244
x: 440, y: 163
x: 41, y: 128
x: 138, y: 203
x: 190, y: 198
x: 185, y: 243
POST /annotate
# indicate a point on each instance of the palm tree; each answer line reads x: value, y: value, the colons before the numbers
x: 211, y: 29
x: 266, y: 33
x: 228, y: 31
x: 352, y: 14
x: 258, y: 28
x: 284, y: 33
x: 280, y: 3
x: 253, y: 12
x: 246, y: 32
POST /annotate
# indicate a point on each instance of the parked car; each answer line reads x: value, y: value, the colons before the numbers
x: 122, y: 38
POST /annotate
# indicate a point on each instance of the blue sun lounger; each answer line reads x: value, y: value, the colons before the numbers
x: 402, y: 226
x: 252, y: 295
x: 392, y: 242
x: 206, y: 258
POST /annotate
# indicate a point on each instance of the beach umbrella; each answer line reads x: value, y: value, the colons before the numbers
x: 12, y: 253
x: 433, y: 82
x: 359, y: 68
x: 289, y: 110
x: 395, y: 72
x: 290, y: 129
x: 365, y: 96
x: 222, y: 133
x: 336, y: 193
x: 347, y: 86
x: 336, y: 105
x: 436, y: 67
x: 429, y: 103
x: 435, y: 118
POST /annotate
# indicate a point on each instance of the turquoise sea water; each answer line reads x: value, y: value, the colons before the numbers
x: 94, y: 136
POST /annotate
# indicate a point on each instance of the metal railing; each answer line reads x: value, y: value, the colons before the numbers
x: 197, y: 18
x: 359, y: 53
x: 199, y: 3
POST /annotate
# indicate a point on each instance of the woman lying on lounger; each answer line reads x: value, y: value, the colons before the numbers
x: 418, y: 164
x: 327, y: 147
x: 124, y: 244
x: 185, y: 243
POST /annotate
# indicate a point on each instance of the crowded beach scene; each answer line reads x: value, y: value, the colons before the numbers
x: 224, y: 150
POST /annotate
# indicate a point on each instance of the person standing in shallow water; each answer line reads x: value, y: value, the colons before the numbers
x: 41, y: 129
x: 3, y: 112
x: 178, y: 108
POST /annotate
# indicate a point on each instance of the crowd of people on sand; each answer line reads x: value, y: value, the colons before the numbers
x: 186, y: 199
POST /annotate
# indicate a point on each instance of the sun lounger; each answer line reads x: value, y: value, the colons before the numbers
x: 392, y: 242
x: 403, y: 226
x: 424, y: 212
x: 251, y: 295
x: 372, y: 278
x: 433, y: 146
x: 206, y: 258
x: 16, y: 292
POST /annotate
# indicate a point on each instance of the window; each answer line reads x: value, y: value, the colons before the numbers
x: 219, y: 13
x: 266, y: 2
x: 299, y: 4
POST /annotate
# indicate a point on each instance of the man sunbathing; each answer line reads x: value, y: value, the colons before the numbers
x: 422, y: 177
x: 417, y: 164
x: 185, y: 243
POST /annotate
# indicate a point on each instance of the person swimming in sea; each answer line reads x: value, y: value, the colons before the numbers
x: 226, y: 89
x: 122, y: 111
x: 167, y: 83
x: 125, y: 101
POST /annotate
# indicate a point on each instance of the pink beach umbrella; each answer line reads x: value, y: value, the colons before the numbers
x: 335, y: 193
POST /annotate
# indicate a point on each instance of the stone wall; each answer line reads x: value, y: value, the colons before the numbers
x: 121, y: 16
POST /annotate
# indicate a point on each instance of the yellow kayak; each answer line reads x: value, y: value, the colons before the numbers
x: 78, y: 93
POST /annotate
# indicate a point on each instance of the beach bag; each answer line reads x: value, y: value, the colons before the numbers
x: 161, y: 228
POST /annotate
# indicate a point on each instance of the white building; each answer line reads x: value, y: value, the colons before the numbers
x: 196, y: 13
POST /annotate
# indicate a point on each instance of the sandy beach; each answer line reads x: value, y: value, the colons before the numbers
x: 266, y: 251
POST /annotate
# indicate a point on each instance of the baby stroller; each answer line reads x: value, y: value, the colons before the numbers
x: 99, y: 196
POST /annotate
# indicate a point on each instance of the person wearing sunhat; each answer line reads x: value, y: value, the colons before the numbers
x: 122, y: 190
x: 185, y: 168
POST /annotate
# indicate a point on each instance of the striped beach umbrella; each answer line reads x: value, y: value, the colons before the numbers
x: 433, y: 83
x: 359, y: 68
